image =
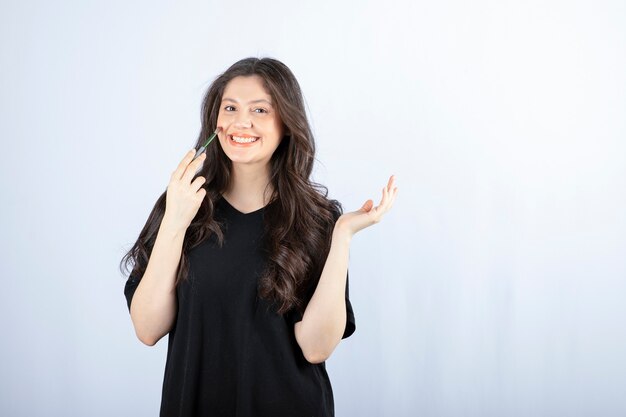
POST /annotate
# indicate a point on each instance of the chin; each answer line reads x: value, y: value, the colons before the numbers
x: 239, y: 160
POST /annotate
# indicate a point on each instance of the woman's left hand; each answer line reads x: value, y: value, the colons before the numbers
x: 368, y: 215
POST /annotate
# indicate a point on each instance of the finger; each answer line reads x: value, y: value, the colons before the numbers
x: 192, y: 168
x: 383, y: 200
x: 367, y: 206
x: 197, y: 183
x: 391, y: 189
x: 201, y: 194
x: 390, y: 182
x: 180, y: 169
x: 393, y: 197
x: 390, y: 197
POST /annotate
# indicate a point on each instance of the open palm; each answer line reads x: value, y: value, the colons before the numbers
x: 368, y: 215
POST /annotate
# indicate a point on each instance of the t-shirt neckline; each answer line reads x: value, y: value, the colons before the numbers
x: 232, y: 208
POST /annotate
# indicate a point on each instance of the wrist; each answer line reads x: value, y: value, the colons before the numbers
x: 342, y: 234
x: 169, y: 228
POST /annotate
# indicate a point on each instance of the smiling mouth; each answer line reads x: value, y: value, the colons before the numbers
x: 239, y: 139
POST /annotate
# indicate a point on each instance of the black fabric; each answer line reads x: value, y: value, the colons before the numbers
x: 229, y: 354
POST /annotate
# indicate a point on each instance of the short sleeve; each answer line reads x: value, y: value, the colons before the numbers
x: 294, y: 316
x: 130, y: 287
x: 350, y: 322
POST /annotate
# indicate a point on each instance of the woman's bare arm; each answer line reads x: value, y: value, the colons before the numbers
x: 154, y: 305
x: 324, y: 319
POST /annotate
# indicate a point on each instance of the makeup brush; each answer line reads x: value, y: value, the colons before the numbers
x: 203, y: 147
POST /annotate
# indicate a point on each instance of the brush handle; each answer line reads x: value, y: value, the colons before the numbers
x: 203, y: 147
x: 199, y: 152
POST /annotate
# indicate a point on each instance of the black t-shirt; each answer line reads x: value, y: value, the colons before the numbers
x: 229, y: 353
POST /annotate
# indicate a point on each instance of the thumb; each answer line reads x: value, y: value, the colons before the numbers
x: 367, y: 206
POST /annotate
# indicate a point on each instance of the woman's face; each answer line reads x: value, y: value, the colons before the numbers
x: 251, y: 129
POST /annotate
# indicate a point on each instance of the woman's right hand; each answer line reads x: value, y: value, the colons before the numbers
x: 184, y: 197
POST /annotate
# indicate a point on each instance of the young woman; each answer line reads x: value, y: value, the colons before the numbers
x: 245, y: 263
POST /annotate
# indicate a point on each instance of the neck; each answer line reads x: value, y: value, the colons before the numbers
x: 248, y: 184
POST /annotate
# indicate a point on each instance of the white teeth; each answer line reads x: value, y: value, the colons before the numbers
x: 243, y: 140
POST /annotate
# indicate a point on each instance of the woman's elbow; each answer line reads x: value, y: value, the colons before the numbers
x: 317, y: 354
x: 147, y: 341
x: 315, y: 357
x: 313, y: 349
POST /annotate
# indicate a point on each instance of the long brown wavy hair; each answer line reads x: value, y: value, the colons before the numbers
x: 298, y: 229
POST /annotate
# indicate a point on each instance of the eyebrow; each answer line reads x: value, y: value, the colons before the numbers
x: 250, y: 102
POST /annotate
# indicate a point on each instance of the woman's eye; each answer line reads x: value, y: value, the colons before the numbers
x: 228, y: 107
x: 260, y: 110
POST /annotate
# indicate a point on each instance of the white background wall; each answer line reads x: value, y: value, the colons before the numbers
x: 494, y: 287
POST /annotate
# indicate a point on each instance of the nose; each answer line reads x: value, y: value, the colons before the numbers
x: 243, y: 121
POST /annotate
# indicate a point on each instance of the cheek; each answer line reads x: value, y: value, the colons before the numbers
x: 223, y: 114
x: 277, y: 126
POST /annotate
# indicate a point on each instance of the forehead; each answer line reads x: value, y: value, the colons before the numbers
x: 246, y: 88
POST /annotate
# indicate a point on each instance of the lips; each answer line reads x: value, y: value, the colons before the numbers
x: 242, y: 139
